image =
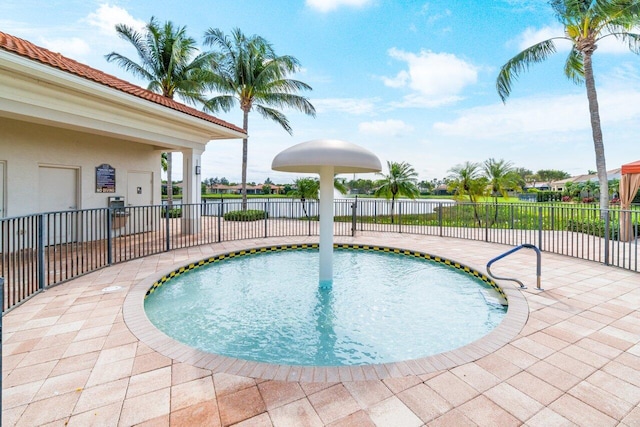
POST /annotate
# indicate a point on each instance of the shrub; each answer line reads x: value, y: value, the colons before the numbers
x: 173, y: 212
x: 248, y: 215
x: 596, y: 227
x: 588, y: 200
x: 566, y: 198
x: 549, y: 196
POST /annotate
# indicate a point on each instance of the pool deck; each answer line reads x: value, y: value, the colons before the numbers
x: 570, y: 355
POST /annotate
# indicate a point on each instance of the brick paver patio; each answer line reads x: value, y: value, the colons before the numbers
x: 70, y: 358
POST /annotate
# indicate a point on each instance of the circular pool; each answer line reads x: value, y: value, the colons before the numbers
x: 385, y: 306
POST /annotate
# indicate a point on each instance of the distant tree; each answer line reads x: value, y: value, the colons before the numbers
x: 400, y: 181
x: 585, y: 22
x: 266, y: 189
x: 309, y: 188
x: 523, y: 174
x: 501, y: 177
x: 550, y: 175
x: 223, y: 181
x: 268, y: 181
x: 247, y: 71
x: 591, y: 172
x: 466, y: 180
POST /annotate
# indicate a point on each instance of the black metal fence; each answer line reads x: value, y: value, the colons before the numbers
x: 41, y: 250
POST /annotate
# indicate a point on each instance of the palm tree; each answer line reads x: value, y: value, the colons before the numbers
x: 467, y: 180
x: 585, y: 22
x: 401, y: 181
x: 247, y: 70
x: 309, y: 188
x: 501, y: 177
x: 170, y: 62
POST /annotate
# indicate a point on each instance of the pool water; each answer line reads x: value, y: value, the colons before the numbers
x: 269, y: 308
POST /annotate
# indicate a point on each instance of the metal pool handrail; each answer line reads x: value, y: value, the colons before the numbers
x: 517, y: 248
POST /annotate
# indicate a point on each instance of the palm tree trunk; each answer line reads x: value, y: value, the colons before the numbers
x: 596, y: 130
x: 393, y: 201
x: 169, y: 180
x: 245, y: 145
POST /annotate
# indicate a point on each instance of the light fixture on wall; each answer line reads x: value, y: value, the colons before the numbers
x: 197, y: 169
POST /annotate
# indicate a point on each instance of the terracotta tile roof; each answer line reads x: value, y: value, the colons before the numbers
x: 29, y: 50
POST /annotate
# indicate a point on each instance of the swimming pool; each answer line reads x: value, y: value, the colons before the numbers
x: 384, y: 306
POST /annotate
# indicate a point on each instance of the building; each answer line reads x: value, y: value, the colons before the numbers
x: 73, y: 136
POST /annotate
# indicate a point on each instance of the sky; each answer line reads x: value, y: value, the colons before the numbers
x: 411, y: 81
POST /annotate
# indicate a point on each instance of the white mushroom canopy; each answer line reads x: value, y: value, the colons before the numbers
x: 311, y: 156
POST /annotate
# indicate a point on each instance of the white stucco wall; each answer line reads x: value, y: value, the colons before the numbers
x: 24, y: 147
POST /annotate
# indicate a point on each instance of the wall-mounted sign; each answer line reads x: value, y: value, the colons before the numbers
x: 105, y: 179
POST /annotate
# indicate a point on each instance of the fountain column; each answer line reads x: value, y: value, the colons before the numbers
x: 326, y: 226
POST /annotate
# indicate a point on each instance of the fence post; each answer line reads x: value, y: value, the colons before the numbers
x: 220, y: 213
x: 440, y: 217
x: 167, y: 229
x: 40, y: 252
x: 540, y: 228
x: 266, y: 217
x: 606, y: 237
x: 354, y: 207
x: 109, y: 214
x: 486, y: 222
x: 399, y: 217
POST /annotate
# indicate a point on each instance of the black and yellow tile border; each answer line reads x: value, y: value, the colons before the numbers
x: 348, y: 246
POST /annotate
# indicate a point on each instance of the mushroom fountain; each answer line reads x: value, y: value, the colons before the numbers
x: 327, y: 157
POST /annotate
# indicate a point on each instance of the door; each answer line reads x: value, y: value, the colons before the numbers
x: 58, y: 191
x: 139, y: 193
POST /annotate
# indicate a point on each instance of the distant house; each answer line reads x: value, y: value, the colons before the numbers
x: 560, y: 185
x: 73, y: 136
x: 441, y: 190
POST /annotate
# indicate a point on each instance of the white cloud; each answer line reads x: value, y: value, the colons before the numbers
x: 529, y: 118
x: 389, y: 127
x: 325, y: 6
x: 435, y: 78
x: 107, y: 17
x: 346, y: 105
x: 72, y: 47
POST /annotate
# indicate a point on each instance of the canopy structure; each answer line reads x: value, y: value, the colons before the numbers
x: 326, y: 157
x: 629, y: 185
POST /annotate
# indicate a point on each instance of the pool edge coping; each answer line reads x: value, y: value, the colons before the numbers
x: 141, y: 327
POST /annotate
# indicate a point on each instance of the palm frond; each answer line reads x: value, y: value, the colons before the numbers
x: 276, y: 116
x: 574, y: 67
x: 520, y: 63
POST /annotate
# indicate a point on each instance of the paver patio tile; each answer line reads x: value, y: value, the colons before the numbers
x: 102, y: 395
x: 571, y: 365
x: 120, y: 339
x: 368, y: 393
x: 61, y: 384
x: 599, y: 348
x: 28, y: 374
x: 107, y: 415
x: 47, y: 410
x: 191, y: 393
x: 623, y: 372
x: 357, y: 419
x: 261, y: 420
x: 115, y: 354
x: 452, y: 388
x: 424, y: 402
x: 516, y: 356
x: 295, y: 414
x: 498, y: 366
x: 485, y: 412
x: 149, y: 381
x: 396, y: 385
x: 601, y: 400
x: 201, y: 414
x: 11, y: 416
x: 333, y: 403
x: 452, y: 418
x: 553, y: 375
x: 475, y: 376
x: 227, y: 384
x: 278, y: 393
x: 580, y: 413
x: 616, y: 386
x: 310, y: 388
x: 183, y: 372
x: 241, y: 405
x: 148, y: 362
x: 534, y: 387
x: 392, y: 412
x: 111, y: 372
x: 632, y: 419
x: 548, y: 417
x: 19, y: 347
x: 145, y: 407
x: 514, y: 401
x: 20, y: 395
x: 37, y: 357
